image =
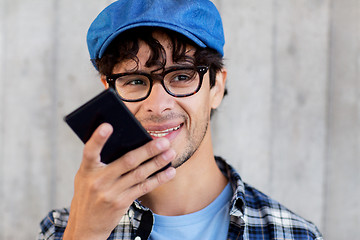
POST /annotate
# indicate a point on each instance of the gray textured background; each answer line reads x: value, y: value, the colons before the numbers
x: 290, y: 124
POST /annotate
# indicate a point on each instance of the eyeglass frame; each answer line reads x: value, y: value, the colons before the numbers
x: 201, y: 70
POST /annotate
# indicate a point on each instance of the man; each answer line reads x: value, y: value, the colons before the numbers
x: 164, y: 59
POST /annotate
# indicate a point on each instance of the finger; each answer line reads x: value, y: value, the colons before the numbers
x: 142, y: 172
x: 93, y: 147
x: 123, y: 199
x: 133, y: 159
x: 151, y: 183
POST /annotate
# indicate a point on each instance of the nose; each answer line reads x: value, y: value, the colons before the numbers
x: 159, y: 101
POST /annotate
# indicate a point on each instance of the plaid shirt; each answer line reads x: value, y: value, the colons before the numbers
x: 253, y: 215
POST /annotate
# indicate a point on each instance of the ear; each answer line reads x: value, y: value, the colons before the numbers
x: 103, y: 80
x: 217, y: 91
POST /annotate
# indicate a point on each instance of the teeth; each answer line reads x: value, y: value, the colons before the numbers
x: 159, y: 134
x: 164, y: 132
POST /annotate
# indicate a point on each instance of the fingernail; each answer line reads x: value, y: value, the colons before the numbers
x: 168, y: 155
x: 170, y: 172
x: 162, y: 144
x: 104, y: 130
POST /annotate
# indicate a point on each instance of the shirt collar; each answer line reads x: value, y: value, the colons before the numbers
x: 237, y: 205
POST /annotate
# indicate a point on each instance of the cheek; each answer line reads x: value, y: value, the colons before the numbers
x: 197, y: 107
x: 133, y: 107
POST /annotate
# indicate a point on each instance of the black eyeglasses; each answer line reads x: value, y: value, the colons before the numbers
x: 181, y: 81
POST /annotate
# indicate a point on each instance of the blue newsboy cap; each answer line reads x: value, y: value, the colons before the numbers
x: 198, y: 20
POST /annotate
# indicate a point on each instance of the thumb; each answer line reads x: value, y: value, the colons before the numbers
x: 93, y: 147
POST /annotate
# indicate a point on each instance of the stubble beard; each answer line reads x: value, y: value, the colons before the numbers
x: 192, y: 145
x: 193, y: 140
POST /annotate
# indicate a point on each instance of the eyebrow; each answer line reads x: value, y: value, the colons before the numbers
x: 163, y: 70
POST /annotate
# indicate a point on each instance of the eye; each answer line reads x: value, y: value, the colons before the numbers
x: 135, y: 82
x: 181, y: 77
x: 132, y: 81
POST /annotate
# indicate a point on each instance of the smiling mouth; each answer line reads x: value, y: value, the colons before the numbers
x: 163, y: 133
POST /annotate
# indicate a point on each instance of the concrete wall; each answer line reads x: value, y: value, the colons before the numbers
x: 290, y: 124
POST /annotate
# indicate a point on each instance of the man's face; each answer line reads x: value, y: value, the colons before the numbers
x: 184, y: 121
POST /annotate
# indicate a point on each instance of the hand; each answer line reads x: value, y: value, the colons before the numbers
x: 103, y: 193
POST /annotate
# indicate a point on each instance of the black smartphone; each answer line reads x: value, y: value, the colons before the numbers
x: 128, y: 133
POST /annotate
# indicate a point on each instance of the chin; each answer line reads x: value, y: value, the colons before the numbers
x: 179, y: 161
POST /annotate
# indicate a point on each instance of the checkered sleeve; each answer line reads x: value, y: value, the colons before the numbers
x: 52, y: 227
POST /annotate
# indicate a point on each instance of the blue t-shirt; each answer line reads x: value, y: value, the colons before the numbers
x: 210, y: 223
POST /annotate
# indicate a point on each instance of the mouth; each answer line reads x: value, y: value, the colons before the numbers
x: 165, y: 132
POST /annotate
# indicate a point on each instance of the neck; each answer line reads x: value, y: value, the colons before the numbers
x: 197, y: 183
